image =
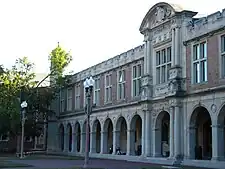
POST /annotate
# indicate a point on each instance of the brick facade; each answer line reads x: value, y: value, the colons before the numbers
x: 168, y: 94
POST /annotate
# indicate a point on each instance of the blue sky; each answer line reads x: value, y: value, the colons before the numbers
x: 93, y: 30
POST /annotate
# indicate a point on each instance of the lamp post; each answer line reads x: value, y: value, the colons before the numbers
x: 88, y: 86
x: 23, y: 106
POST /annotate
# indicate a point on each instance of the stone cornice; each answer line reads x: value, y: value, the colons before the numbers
x: 208, y: 34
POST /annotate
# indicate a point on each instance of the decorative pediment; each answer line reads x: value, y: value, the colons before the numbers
x: 158, y: 14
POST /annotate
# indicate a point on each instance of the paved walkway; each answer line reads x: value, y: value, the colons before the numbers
x: 94, y: 163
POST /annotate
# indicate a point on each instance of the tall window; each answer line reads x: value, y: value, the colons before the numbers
x: 200, y: 63
x: 223, y: 56
x: 62, y: 101
x: 77, y: 96
x: 136, y: 80
x: 163, y: 65
x: 108, y: 88
x: 69, y: 99
x: 121, y: 84
x: 97, y: 91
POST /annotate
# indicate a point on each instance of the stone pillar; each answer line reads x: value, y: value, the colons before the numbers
x: 147, y: 55
x: 191, y: 142
x: 35, y: 142
x: 93, y: 142
x: 217, y: 142
x: 173, y: 47
x: 143, y: 135
x: 177, y: 45
x: 74, y: 141
x: 171, y: 132
x: 66, y: 142
x: 58, y: 142
x: 104, y: 142
x: 130, y: 142
x: 116, y: 140
x: 177, y: 130
x: 147, y: 134
x: 83, y: 142
x: 157, y: 143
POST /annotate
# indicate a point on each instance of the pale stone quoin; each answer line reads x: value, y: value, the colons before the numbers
x: 161, y: 102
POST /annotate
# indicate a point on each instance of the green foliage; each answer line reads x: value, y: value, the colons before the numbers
x: 19, y: 78
x: 59, y: 60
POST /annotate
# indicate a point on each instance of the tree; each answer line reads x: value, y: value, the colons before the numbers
x: 19, y: 78
x: 18, y: 84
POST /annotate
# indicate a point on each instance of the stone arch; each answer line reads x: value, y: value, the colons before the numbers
x: 221, y: 132
x: 108, y: 135
x: 221, y: 115
x: 121, y: 130
x: 84, y: 134
x: 77, y: 141
x: 162, y: 130
x: 151, y: 14
x: 136, y: 135
x: 200, y: 134
x: 61, y: 132
x: 96, y: 136
x: 69, y: 136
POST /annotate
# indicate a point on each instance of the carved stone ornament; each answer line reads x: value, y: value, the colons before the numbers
x: 161, y: 14
x: 213, y: 108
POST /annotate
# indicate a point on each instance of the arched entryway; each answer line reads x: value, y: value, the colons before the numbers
x: 121, y: 127
x: 108, y: 139
x: 84, y: 137
x: 69, y: 137
x: 61, y: 137
x: 136, y: 135
x: 221, y: 133
x: 162, y: 133
x: 96, y: 137
x: 200, y: 134
x: 78, y: 137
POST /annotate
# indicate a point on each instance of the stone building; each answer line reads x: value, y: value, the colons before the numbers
x: 165, y: 96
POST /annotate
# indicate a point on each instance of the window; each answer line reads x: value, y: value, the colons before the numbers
x: 223, y: 56
x: 136, y: 80
x: 4, y: 137
x: 200, y: 63
x: 97, y: 91
x: 77, y: 96
x: 69, y: 99
x: 108, y: 88
x: 62, y: 101
x: 121, y: 85
x: 163, y: 65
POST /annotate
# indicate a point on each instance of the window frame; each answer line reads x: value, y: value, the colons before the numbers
x: 222, y: 55
x: 163, y: 64
x: 136, y: 79
x: 97, y: 91
x: 62, y: 100
x: 199, y: 61
x: 77, y: 96
x: 121, y: 95
x: 69, y: 99
x: 109, y: 87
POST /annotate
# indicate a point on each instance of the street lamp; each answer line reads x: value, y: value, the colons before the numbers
x: 23, y: 106
x: 88, y: 86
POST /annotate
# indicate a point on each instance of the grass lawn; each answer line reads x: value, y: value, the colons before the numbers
x: 8, y: 164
